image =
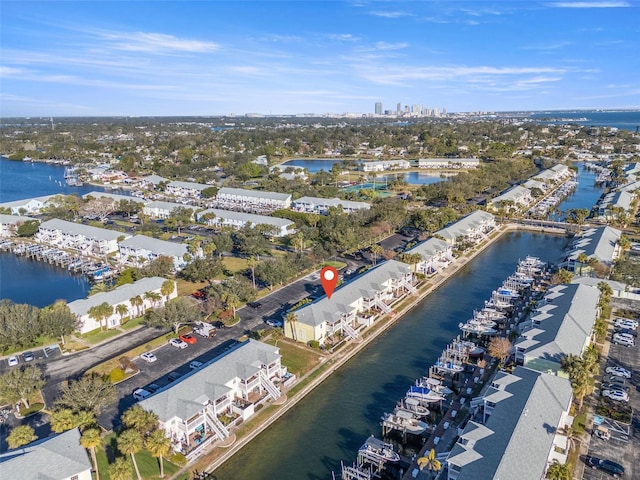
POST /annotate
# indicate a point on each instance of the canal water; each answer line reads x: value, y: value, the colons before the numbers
x: 334, y: 420
x: 586, y: 194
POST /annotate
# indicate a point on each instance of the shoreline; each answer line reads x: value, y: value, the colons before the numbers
x: 343, y: 357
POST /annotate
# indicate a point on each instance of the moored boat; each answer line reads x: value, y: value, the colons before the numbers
x: 379, y: 450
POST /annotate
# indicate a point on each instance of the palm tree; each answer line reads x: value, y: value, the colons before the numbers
x: 120, y: 470
x: 140, y: 419
x: 167, y: 289
x: 62, y: 419
x: 130, y: 443
x: 85, y: 419
x: 583, y: 385
x: 21, y: 435
x: 122, y: 310
x: 624, y: 242
x: 136, y: 302
x: 101, y: 313
x: 605, y: 290
x: 558, y: 471
x: 583, y: 259
x: 153, y: 297
x: 159, y: 445
x: 376, y: 250
x: 91, y: 439
x: 291, y: 319
x: 252, y: 263
x: 430, y: 462
x: 231, y: 299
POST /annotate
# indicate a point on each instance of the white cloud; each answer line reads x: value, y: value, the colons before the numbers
x: 11, y: 71
x: 156, y: 43
x: 605, y: 4
x: 342, y: 37
x: 391, y: 14
x: 391, y: 46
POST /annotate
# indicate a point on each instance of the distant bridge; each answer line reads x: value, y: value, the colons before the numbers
x: 546, y: 224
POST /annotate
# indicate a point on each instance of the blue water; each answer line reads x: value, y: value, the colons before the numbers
x: 20, y: 180
x: 313, y: 165
x: 334, y: 420
x: 627, y: 120
x: 585, y: 196
x: 27, y: 281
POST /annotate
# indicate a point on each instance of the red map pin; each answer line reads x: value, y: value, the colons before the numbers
x: 329, y: 280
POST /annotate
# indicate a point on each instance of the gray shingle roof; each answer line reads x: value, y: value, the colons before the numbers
x: 247, y: 217
x: 569, y: 320
x: 513, y: 194
x: 167, y: 205
x: 254, y: 193
x: 596, y: 242
x: 522, y: 428
x: 188, y: 185
x: 13, y: 219
x: 113, y: 196
x: 57, y: 457
x: 463, y: 226
x: 188, y: 395
x: 80, y: 229
x: 331, y: 202
x: 119, y: 295
x: 366, y: 285
x: 155, y: 245
x: 430, y: 248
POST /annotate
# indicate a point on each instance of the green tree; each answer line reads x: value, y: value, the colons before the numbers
x: 153, y: 297
x: 120, y: 469
x: 376, y: 250
x: 167, y: 288
x: 291, y: 319
x: 91, y: 393
x: 90, y: 440
x: 28, y: 228
x: 136, y: 302
x: 582, y: 259
x: 101, y: 313
x: 159, y: 446
x: 563, y: 276
x: 21, y: 435
x: 129, y: 443
x: 21, y: 384
x: 62, y: 419
x: 209, y: 192
x: 57, y: 320
x: 558, y: 471
x: 140, y: 419
x: 122, y: 310
x: 179, y: 217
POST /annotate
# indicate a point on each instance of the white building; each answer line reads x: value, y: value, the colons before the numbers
x: 600, y: 243
x: 113, y: 196
x: 448, y: 163
x: 525, y: 416
x: 229, y: 218
x: 321, y: 205
x: 473, y: 228
x: 231, y: 386
x: 57, y: 457
x: 140, y: 249
x: 27, y: 206
x: 516, y: 197
x: 354, y: 305
x: 162, y: 210
x: 76, y: 236
x: 9, y: 224
x: 436, y: 256
x: 382, y: 165
x: 121, y: 296
x: 252, y: 199
x: 186, y: 189
x: 152, y: 181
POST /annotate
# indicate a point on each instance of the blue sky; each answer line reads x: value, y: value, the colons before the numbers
x: 211, y: 58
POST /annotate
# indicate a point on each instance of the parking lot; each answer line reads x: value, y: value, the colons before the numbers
x: 617, y: 448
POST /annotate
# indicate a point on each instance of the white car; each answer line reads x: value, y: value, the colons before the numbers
x: 148, y: 357
x: 626, y: 323
x: 13, y: 361
x: 274, y: 323
x: 617, y: 395
x: 624, y: 341
x: 618, y: 372
x: 195, y: 364
x: 176, y: 342
x: 141, y: 394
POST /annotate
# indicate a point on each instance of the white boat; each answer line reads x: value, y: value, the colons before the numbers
x: 413, y: 406
x: 449, y: 367
x: 435, y: 385
x: 405, y: 422
x: 379, y: 450
x: 478, y: 328
x: 424, y: 394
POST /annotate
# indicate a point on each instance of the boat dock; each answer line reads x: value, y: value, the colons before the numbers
x: 94, y: 269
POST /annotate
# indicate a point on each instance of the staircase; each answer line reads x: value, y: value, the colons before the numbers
x: 269, y: 386
x: 384, y: 307
x: 214, y: 424
x: 349, y: 331
x: 412, y: 290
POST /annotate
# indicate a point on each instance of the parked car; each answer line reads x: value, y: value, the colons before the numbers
x: 618, y: 372
x: 617, y: 395
x: 255, y: 305
x: 623, y: 340
x: 176, y: 342
x: 188, y: 338
x: 13, y: 361
x: 199, y: 294
x: 141, y: 394
x: 626, y: 323
x: 153, y: 387
x: 195, y: 364
x: 626, y: 331
x: 615, y: 386
x: 614, y: 380
x: 28, y: 356
x: 148, y: 357
x: 173, y: 376
x: 624, y: 335
x: 608, y: 466
x: 274, y: 323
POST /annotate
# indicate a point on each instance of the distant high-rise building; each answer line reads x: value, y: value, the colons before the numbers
x: 399, y: 108
x: 378, y: 108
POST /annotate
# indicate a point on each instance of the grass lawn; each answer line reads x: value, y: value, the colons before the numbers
x: 234, y: 264
x: 100, y: 336
x: 38, y: 342
x: 148, y: 465
x: 187, y: 288
x: 130, y: 324
x: 298, y: 359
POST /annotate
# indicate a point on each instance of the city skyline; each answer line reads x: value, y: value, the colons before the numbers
x: 218, y: 58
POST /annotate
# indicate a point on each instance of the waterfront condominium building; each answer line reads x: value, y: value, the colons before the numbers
x: 436, y: 254
x: 86, y: 239
x: 473, y: 228
x: 518, y: 428
x: 149, y: 291
x: 228, y: 218
x: 186, y: 189
x: 321, y: 205
x: 205, y: 404
x: 600, y: 243
x: 382, y: 165
x: 252, y: 200
x: 9, y: 224
x: 162, y: 210
x: 140, y: 250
